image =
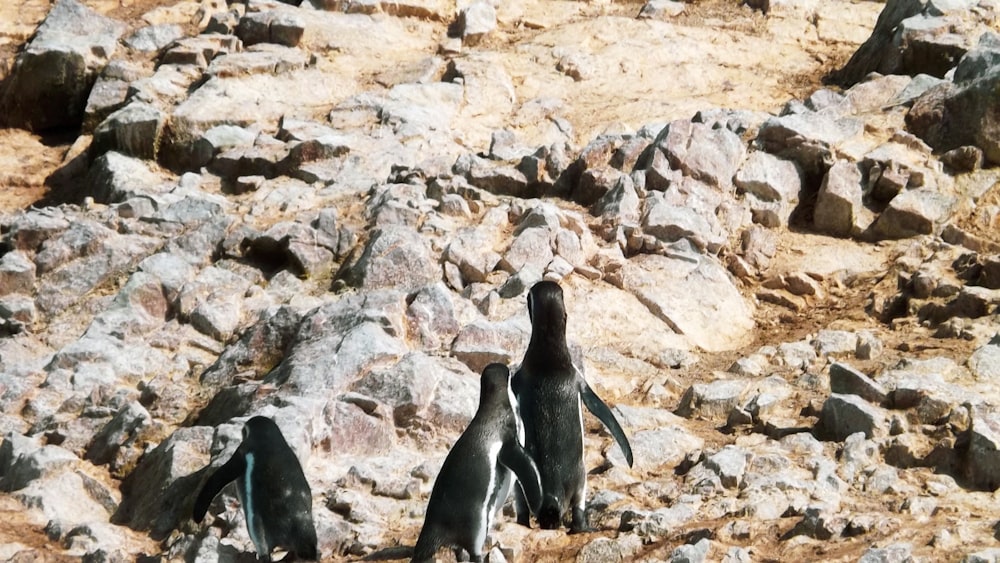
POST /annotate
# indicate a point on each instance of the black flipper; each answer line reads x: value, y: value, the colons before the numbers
x: 597, y: 407
x: 230, y: 471
x: 513, y: 457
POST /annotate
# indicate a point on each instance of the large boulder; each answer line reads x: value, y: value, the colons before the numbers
x: 51, y: 79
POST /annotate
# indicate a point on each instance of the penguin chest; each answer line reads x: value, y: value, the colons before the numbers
x: 247, y: 489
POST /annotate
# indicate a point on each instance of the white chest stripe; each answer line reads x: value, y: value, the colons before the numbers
x: 486, y: 518
x: 514, y: 406
x: 248, y: 509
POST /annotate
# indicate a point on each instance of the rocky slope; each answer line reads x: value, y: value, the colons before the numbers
x: 330, y: 213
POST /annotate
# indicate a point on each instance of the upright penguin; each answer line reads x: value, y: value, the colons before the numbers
x: 475, y: 478
x: 549, y: 391
x: 272, y: 489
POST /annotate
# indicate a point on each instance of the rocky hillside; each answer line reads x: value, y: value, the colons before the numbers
x: 329, y: 214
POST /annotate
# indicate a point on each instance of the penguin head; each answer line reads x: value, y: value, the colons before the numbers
x: 260, y: 429
x: 494, y: 382
x: 545, y: 306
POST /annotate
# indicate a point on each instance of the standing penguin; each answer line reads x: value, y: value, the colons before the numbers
x: 272, y: 489
x: 475, y: 478
x: 549, y: 390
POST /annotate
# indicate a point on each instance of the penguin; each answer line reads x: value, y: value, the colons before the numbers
x: 549, y: 391
x: 476, y: 476
x: 273, y: 491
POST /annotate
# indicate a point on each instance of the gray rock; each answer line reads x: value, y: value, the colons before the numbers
x: 869, y: 346
x: 883, y: 51
x: 71, y: 281
x: 338, y: 341
x: 659, y: 523
x: 709, y: 155
x: 220, y: 139
x: 23, y: 461
x: 711, y: 401
x: 354, y: 424
x: 921, y: 211
x: 153, y: 38
x: 692, y: 553
x: 51, y: 79
x: 197, y: 51
x: 471, y: 250
x: 839, y: 210
x: 68, y: 498
x: 669, y: 222
x: 817, y: 524
x: 17, y: 273
x: 522, y: 281
x: 620, y: 205
x: 118, y: 434
x: 846, y: 380
x: 531, y: 248
x: 988, y: 555
x: 831, y: 342
x: 895, y: 553
x: 729, y: 464
x: 808, y: 139
x: 945, y: 117
x: 30, y: 230
x: 657, y: 449
x: 843, y: 415
x: 115, y: 177
x: 980, y: 464
x: 769, y: 178
x: 133, y: 130
x: 110, y: 92
x: 661, y: 9
x: 601, y: 550
x: 171, y: 270
x: 213, y: 302
x: 675, y: 290
x: 278, y: 26
x: 156, y: 494
x: 406, y: 388
x: 982, y: 60
x: 985, y: 362
x: 483, y: 342
x: 395, y: 257
x: 476, y: 21
x: 431, y: 315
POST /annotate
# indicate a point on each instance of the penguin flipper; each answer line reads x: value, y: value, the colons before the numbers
x: 514, y: 457
x: 230, y: 471
x: 597, y: 407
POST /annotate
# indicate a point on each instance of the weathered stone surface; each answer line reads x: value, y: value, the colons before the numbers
x: 157, y: 492
x: 17, y: 273
x: 116, y: 177
x: 706, y: 154
x: 769, y: 178
x: 482, y: 342
x: 985, y: 361
x: 914, y: 212
x: 671, y: 287
x: 809, y: 139
x: 843, y: 415
x: 839, y: 210
x: 846, y: 380
x: 661, y: 9
x: 133, y: 130
x: 153, y: 38
x: 713, y: 400
x: 395, y: 257
x: 52, y: 77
